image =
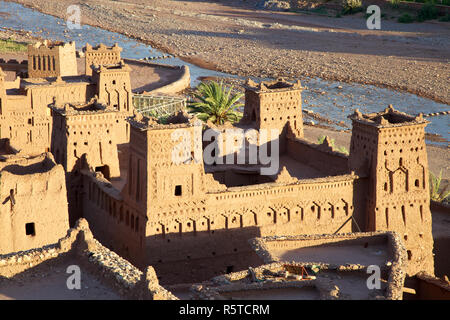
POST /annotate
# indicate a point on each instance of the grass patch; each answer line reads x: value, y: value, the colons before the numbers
x: 319, y: 11
x: 10, y: 45
x: 445, y: 18
x: 162, y: 119
x: 427, y: 12
x: 340, y: 149
x: 441, y: 2
x: 394, y: 3
x: 405, y: 18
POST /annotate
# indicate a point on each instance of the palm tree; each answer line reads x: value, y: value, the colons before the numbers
x: 435, y: 186
x: 216, y: 104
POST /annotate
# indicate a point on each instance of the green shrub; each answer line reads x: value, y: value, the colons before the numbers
x: 351, y: 6
x: 10, y: 45
x: 405, y: 18
x: 437, y: 192
x: 340, y: 149
x: 394, y: 3
x: 319, y: 10
x: 445, y: 18
x: 427, y: 12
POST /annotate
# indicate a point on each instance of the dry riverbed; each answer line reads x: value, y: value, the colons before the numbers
x: 241, y: 40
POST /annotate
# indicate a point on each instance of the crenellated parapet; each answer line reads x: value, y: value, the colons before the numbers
x: 101, y: 55
x: 389, y: 149
x: 52, y: 59
x: 274, y: 105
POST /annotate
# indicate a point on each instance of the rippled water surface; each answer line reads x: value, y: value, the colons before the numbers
x: 331, y: 99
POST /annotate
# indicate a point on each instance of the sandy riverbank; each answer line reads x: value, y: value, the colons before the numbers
x: 241, y: 40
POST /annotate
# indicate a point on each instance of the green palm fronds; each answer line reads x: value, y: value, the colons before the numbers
x: 435, y: 185
x: 216, y: 103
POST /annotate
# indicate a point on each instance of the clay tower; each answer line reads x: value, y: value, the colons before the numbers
x: 114, y: 86
x: 165, y: 163
x: 52, y: 59
x: 101, y: 55
x: 2, y: 91
x: 388, y: 149
x: 274, y: 105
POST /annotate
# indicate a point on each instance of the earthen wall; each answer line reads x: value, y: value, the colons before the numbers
x: 34, y: 212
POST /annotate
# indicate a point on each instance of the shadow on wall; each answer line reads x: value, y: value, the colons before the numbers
x: 364, y: 251
x: 181, y: 259
x: 427, y: 287
x: 39, y: 167
x: 441, y: 260
x: 51, y: 283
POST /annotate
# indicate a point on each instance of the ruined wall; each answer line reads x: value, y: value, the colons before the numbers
x: 390, y: 148
x: 428, y: 287
x: 34, y: 203
x: 101, y: 55
x: 114, y: 223
x: 395, y: 265
x: 108, y: 267
x: 51, y: 59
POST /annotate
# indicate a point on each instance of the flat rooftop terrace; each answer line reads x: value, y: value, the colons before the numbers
x: 335, y: 254
x: 251, y: 173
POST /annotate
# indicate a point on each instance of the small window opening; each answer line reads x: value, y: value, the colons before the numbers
x: 29, y: 229
x: 178, y: 190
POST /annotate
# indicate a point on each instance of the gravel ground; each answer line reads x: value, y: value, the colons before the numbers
x: 230, y: 37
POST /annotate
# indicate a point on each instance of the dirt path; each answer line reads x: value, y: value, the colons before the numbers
x: 250, y: 42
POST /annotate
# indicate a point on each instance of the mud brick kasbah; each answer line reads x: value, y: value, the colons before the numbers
x: 72, y: 146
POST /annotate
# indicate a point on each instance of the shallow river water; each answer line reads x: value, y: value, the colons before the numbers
x: 330, y: 99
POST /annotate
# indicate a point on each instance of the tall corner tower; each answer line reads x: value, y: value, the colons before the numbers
x: 165, y: 163
x: 114, y: 86
x: 274, y: 105
x: 388, y: 148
